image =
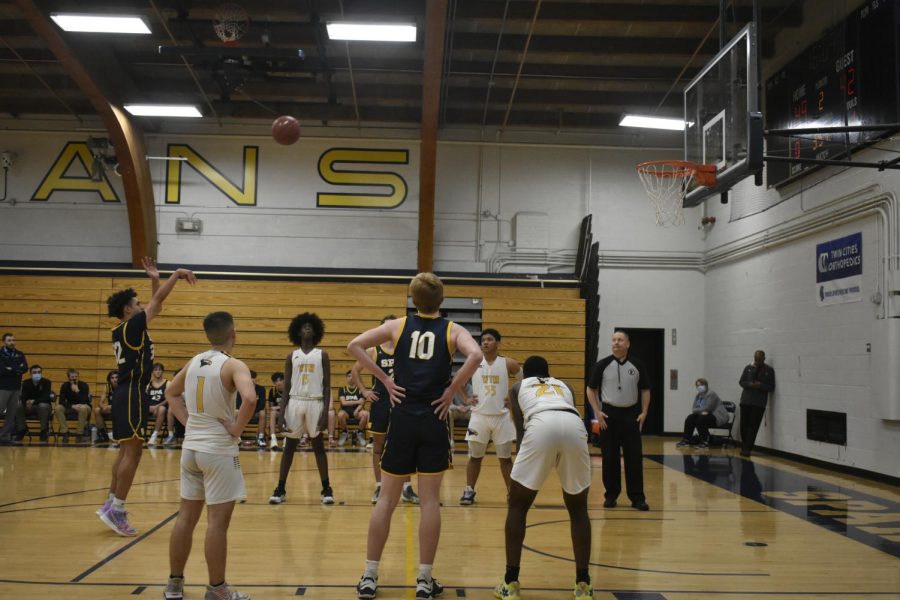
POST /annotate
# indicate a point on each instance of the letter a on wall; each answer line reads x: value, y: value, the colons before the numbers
x: 396, y: 186
x: 57, y: 180
x: 242, y: 196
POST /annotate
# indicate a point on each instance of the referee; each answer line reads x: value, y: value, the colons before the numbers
x: 622, y: 382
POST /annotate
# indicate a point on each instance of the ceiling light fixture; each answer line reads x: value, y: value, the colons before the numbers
x: 101, y: 23
x: 163, y: 110
x: 652, y: 123
x: 371, y: 32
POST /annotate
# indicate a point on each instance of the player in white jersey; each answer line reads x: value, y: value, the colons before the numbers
x: 550, y: 433
x: 210, y: 469
x: 306, y: 401
x: 490, y: 418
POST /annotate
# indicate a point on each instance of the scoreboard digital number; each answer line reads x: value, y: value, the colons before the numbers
x: 847, y: 78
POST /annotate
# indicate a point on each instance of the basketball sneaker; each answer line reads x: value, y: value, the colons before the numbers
x: 409, y: 495
x: 223, y: 592
x: 508, y: 591
x: 174, y: 589
x: 367, y: 587
x: 278, y: 496
x: 376, y: 494
x: 154, y: 439
x: 468, y: 497
x: 103, y: 508
x: 273, y: 442
x: 117, y: 520
x: 327, y: 495
x: 361, y: 439
x: 426, y: 589
x: 342, y: 439
x: 583, y: 591
x: 170, y: 439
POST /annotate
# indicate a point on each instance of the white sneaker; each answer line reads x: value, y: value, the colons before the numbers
x: 376, y: 494
x: 360, y: 440
x: 342, y: 439
x: 170, y: 439
x: 154, y: 439
x: 273, y: 443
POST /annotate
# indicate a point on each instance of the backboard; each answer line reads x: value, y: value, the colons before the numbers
x: 723, y: 125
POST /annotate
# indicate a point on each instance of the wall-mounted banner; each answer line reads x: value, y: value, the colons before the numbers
x: 839, y: 270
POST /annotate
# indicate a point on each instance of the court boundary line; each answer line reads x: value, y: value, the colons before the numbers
x: 636, y: 569
x: 123, y: 549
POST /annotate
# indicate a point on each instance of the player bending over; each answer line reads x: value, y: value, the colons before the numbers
x: 550, y: 433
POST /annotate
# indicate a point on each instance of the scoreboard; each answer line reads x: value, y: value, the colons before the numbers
x: 847, y: 78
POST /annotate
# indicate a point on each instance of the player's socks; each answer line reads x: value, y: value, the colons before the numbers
x: 371, y: 569
x: 425, y: 572
x: 118, y: 504
x: 512, y: 574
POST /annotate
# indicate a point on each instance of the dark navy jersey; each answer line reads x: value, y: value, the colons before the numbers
x: 349, y: 394
x: 155, y: 395
x: 385, y: 360
x: 422, y: 362
x: 134, y: 351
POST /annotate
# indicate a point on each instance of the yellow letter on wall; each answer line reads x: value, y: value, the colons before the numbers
x: 347, y: 177
x: 245, y: 196
x: 56, y: 179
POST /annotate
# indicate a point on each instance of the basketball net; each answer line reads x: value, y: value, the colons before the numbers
x: 667, y: 182
x: 230, y: 23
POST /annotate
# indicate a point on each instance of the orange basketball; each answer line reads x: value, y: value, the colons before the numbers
x: 286, y: 130
x: 595, y: 426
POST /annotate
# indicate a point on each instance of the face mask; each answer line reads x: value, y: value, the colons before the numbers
x: 35, y: 377
x: 701, y: 389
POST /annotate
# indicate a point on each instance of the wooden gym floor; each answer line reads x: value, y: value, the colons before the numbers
x: 719, y: 527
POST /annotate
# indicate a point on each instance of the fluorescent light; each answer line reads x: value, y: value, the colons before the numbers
x: 100, y: 23
x: 372, y: 32
x: 652, y: 122
x: 163, y: 110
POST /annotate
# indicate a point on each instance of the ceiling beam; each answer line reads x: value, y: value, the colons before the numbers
x: 435, y: 27
x: 125, y: 137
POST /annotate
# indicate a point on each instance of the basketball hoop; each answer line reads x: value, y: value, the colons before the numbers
x: 230, y: 23
x: 667, y: 182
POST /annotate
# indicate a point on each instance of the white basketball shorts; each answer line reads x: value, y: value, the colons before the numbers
x: 554, y: 438
x: 302, y: 416
x: 215, y: 478
x: 485, y: 428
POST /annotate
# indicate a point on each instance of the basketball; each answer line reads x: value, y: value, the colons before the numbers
x: 286, y: 130
x: 595, y: 427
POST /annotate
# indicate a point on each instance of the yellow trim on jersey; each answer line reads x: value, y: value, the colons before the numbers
x: 378, y: 433
x: 396, y: 338
x: 125, y: 337
x: 437, y: 316
x: 450, y: 349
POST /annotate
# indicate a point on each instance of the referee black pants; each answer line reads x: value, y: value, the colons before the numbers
x: 751, y: 419
x: 622, y: 437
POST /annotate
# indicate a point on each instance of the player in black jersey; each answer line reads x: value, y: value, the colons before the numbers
x: 156, y: 403
x: 352, y: 404
x: 134, y: 355
x: 380, y: 412
x: 418, y: 438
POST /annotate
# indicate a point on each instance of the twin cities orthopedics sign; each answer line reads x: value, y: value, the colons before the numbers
x: 839, y: 270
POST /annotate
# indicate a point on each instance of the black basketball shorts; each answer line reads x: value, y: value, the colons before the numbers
x: 416, y: 444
